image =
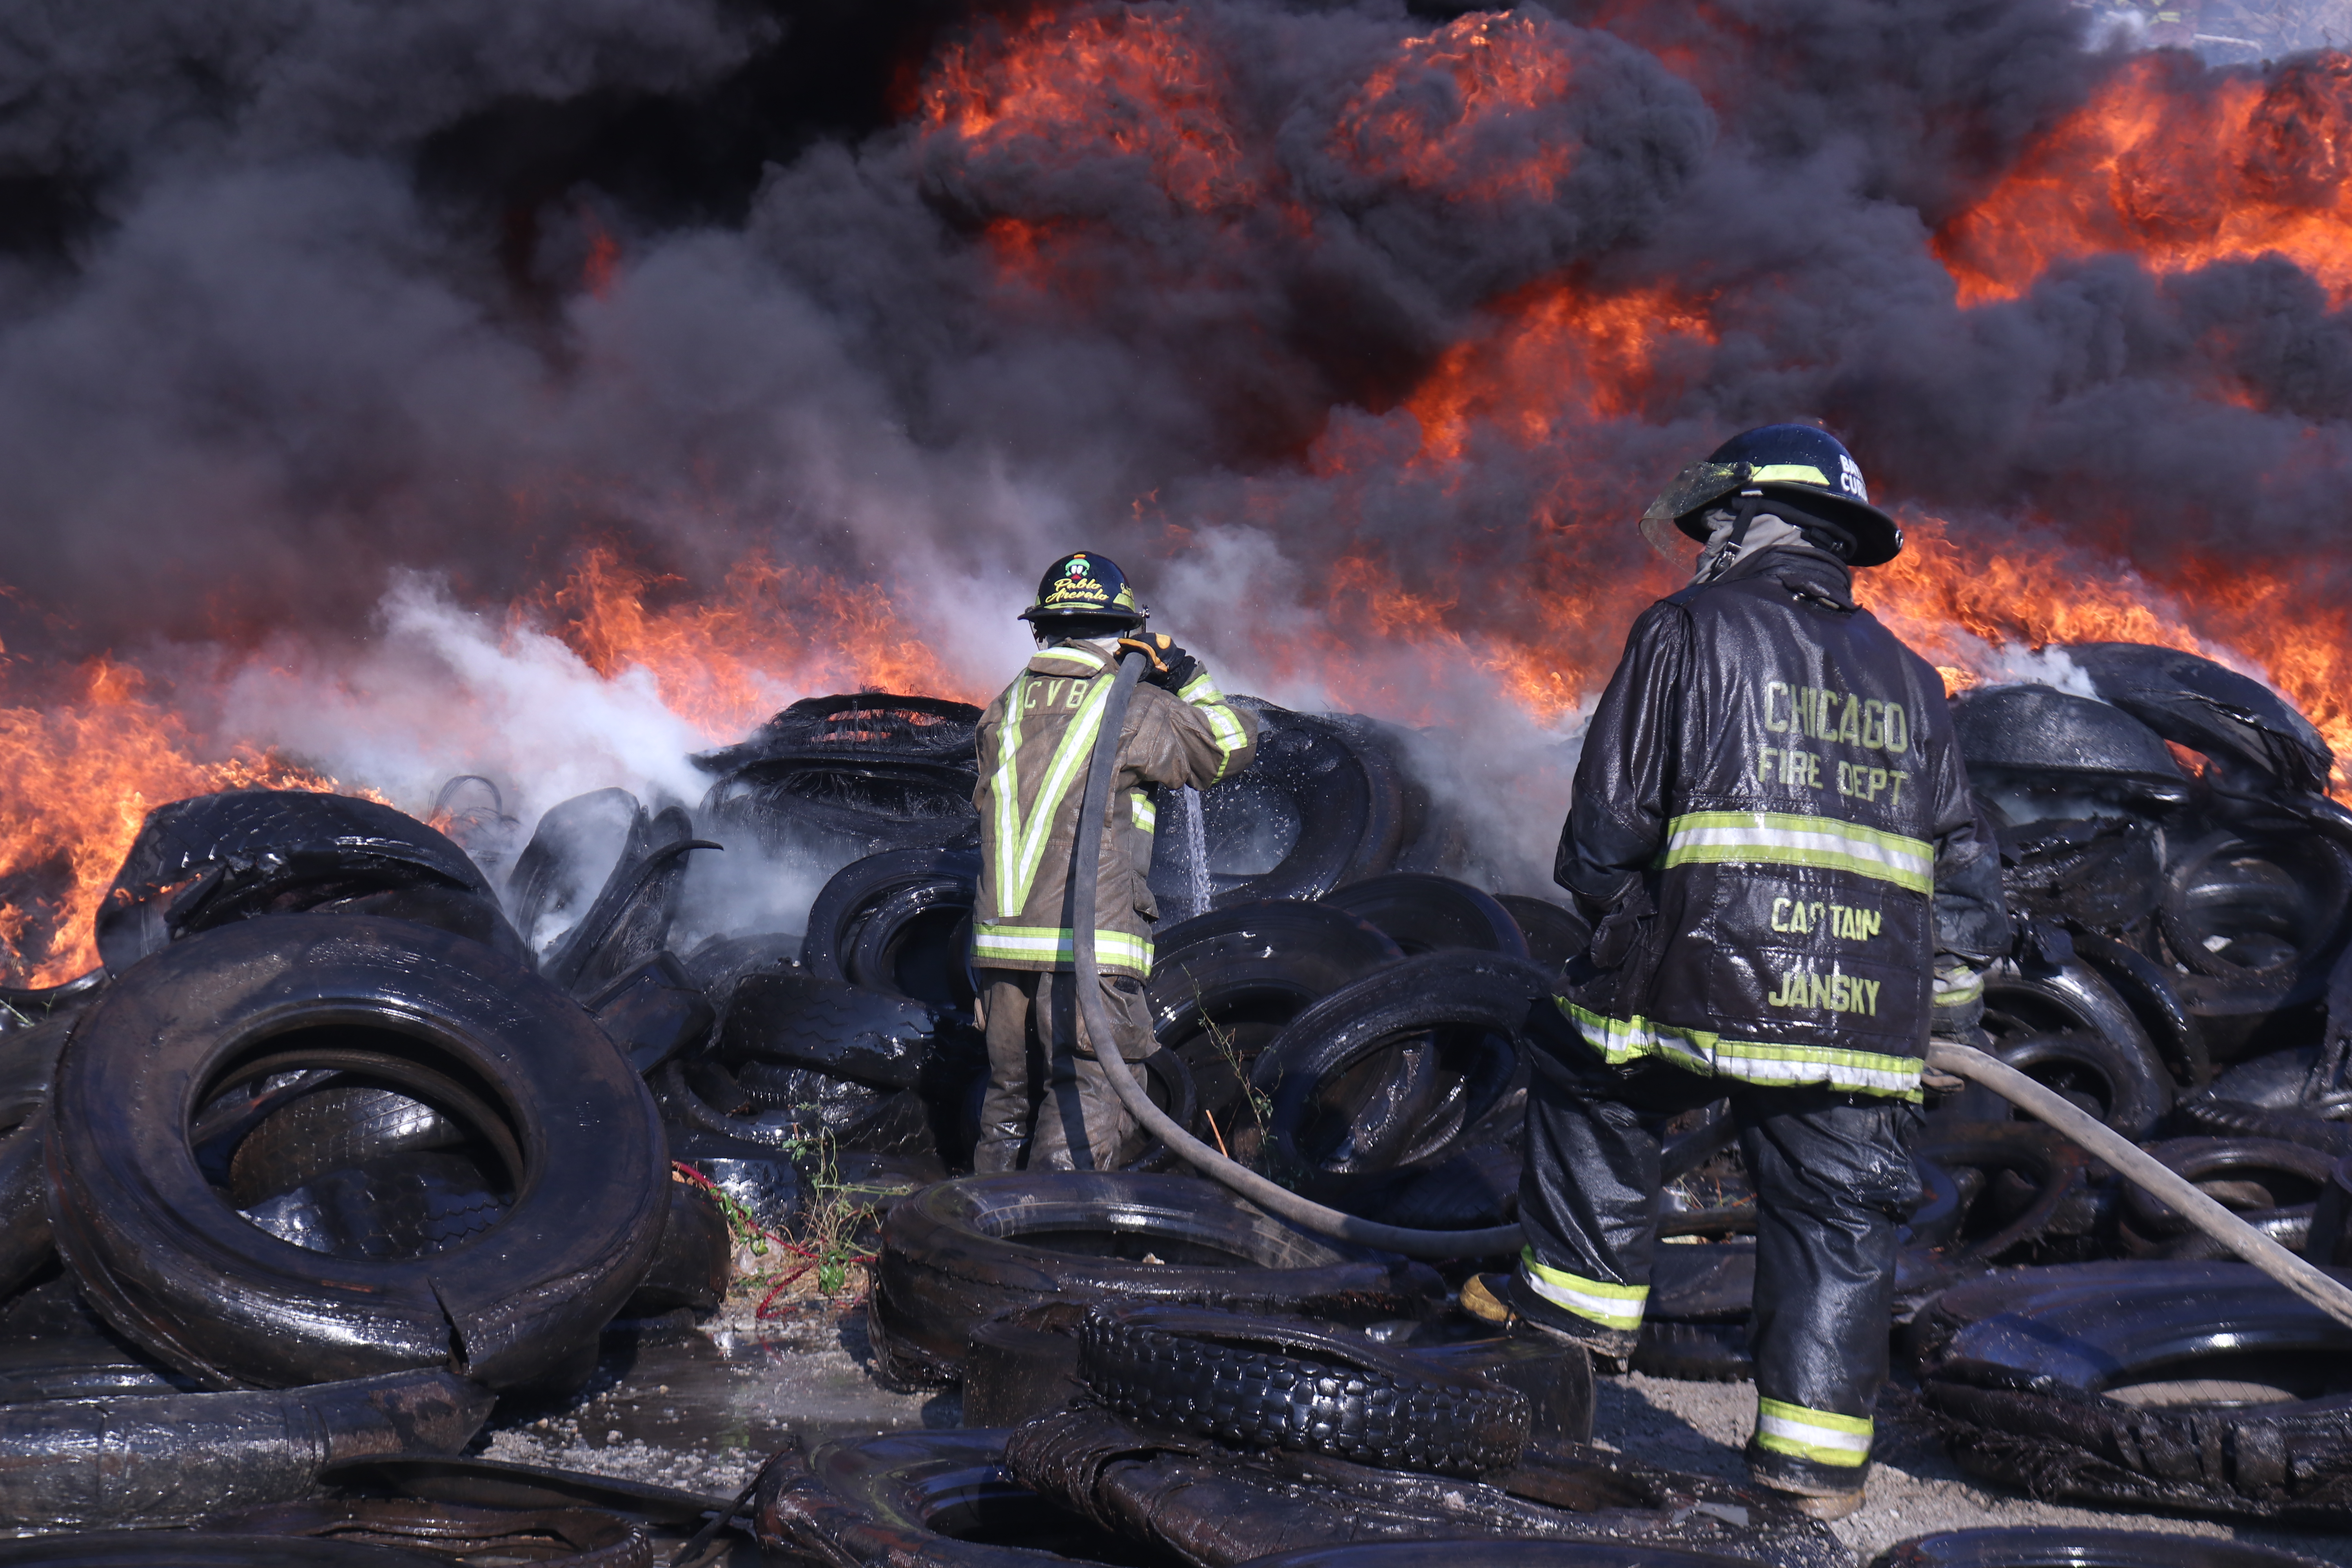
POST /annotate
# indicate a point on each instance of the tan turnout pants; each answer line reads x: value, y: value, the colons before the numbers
x: 1047, y: 1093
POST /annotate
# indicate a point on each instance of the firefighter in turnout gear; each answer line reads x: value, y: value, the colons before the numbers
x: 1036, y: 741
x: 1790, y: 892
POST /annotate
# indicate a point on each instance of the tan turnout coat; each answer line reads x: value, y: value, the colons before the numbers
x: 1036, y: 741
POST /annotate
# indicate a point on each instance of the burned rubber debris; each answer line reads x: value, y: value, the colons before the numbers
x: 352, y: 1153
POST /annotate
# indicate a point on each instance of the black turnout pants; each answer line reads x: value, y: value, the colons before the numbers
x: 1833, y: 1178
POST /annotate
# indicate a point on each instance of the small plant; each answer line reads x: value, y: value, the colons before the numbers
x: 1261, y: 1108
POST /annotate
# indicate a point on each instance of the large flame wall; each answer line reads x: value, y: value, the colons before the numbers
x: 1360, y: 338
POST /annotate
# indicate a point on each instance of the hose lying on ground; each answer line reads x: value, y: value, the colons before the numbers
x: 1267, y: 1195
x: 2126, y: 1159
x: 2136, y: 1166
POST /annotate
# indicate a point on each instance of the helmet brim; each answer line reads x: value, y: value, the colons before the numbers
x: 1039, y: 616
x: 1676, y: 519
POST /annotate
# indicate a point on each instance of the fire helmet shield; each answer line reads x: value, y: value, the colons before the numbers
x: 1084, y: 584
x: 1809, y: 467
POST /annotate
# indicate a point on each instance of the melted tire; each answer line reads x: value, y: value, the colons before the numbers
x: 332, y: 1128
x: 2198, y: 1386
x: 177, y: 1271
x: 958, y: 1253
x: 1453, y: 1018
x: 124, y: 1460
x: 1267, y: 1383
x: 2075, y: 1547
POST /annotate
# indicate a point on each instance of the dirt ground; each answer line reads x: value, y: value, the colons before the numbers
x: 700, y: 1407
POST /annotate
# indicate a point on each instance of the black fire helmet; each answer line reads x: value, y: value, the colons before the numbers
x: 1808, y: 469
x: 1084, y: 586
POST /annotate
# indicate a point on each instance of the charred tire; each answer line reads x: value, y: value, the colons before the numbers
x: 942, y: 1500
x: 172, y: 1266
x: 2207, y: 1111
x: 1497, y: 1554
x: 926, y: 880
x: 1261, y: 1383
x: 2147, y: 989
x: 1167, y: 1079
x: 175, y: 1548
x: 959, y: 1252
x: 1433, y: 914
x: 695, y: 1262
x: 2244, y: 906
x: 2056, y: 1169
x: 1695, y: 1352
x: 2202, y: 1160
x: 1555, y: 934
x: 1342, y: 801
x: 563, y: 1537
x: 2127, y: 1089
x: 1454, y: 1018
x: 121, y: 1459
x: 2025, y: 1000
x: 331, y: 1128
x: 2042, y: 1546
x: 2200, y: 1385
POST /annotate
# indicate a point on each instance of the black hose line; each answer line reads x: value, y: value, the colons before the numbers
x: 1085, y: 865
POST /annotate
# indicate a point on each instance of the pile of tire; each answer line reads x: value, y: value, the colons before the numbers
x: 321, y: 1165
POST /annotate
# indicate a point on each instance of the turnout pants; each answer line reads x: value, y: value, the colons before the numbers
x: 1046, y: 1092
x: 1833, y: 1177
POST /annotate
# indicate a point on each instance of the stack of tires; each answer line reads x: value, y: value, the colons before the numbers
x: 317, y: 1169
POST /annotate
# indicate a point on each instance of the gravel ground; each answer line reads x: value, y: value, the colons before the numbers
x: 699, y: 1408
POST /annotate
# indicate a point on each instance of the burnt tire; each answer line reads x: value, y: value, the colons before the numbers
x: 1262, y: 1382
x: 2044, y: 1546
x: 2199, y: 1385
x: 2107, y: 1058
x: 1340, y: 801
x: 1433, y: 914
x: 1452, y: 1019
x: 331, y: 1128
x: 958, y: 1253
x: 905, y: 886
x: 1498, y: 1554
x: 157, y: 1549
x: 940, y: 1499
x: 695, y: 1262
x: 173, y: 1268
x: 2260, y: 1174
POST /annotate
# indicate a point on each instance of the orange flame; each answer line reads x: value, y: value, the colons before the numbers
x: 726, y: 661
x: 1133, y: 81
x: 77, y: 778
x: 1440, y: 116
x: 1556, y: 354
x: 2182, y: 168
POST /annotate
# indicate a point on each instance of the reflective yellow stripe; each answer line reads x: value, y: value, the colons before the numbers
x: 1821, y: 1435
x: 1020, y: 843
x: 1081, y: 655
x: 1784, y: 838
x: 1620, y: 1040
x: 1596, y: 1300
x: 1147, y: 815
x: 1040, y: 944
x: 1787, y: 474
x: 1957, y: 985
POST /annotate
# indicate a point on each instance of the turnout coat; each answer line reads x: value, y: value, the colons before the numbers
x: 1773, y: 829
x: 1036, y: 741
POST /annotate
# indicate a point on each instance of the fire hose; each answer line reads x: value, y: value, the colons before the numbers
x: 2126, y: 1159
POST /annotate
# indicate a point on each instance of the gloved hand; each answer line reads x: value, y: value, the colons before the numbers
x: 1166, y: 665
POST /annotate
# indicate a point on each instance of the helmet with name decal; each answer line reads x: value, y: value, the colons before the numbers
x: 1808, y: 469
x: 1084, y: 586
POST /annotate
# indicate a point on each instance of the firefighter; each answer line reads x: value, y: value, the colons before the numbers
x: 1036, y: 741
x: 1790, y: 892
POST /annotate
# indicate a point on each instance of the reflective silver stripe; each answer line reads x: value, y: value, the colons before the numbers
x: 1061, y: 775
x: 1785, y: 838
x: 1611, y: 1306
x: 1821, y: 1435
x: 1113, y: 948
x: 1621, y: 1040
